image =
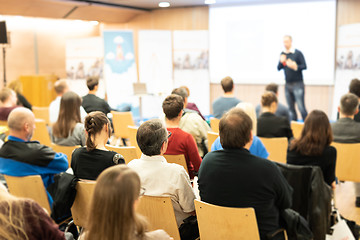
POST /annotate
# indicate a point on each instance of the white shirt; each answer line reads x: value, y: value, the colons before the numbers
x: 160, y: 178
x: 54, y: 110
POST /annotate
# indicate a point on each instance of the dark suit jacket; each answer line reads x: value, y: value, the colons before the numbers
x: 346, y: 130
x: 269, y: 125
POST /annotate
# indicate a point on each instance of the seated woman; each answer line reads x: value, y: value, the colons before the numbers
x: 112, y: 210
x: 68, y: 129
x: 25, y: 219
x: 16, y: 85
x: 313, y: 146
x: 257, y: 148
x: 268, y: 124
x: 88, y: 162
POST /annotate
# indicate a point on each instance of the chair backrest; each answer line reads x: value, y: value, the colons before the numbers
x: 296, y: 128
x: 132, y: 136
x: 4, y: 127
x: 211, y: 136
x: 129, y: 153
x: 348, y: 161
x: 41, y: 133
x: 81, y: 205
x: 160, y: 214
x: 277, y: 148
x: 217, y: 222
x: 67, y: 150
x: 178, y: 159
x: 42, y: 113
x: 214, y: 124
x: 121, y: 121
x: 29, y: 187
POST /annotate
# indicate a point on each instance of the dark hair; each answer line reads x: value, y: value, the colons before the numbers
x: 92, y: 82
x: 268, y: 98
x: 227, y: 84
x: 181, y: 92
x: 94, y: 123
x: 5, y: 93
x: 315, y: 136
x: 150, y: 137
x: 69, y: 115
x: 235, y: 129
x: 60, y: 86
x: 349, y: 103
x: 272, y: 87
x: 354, y: 87
x: 187, y: 90
x: 172, y: 106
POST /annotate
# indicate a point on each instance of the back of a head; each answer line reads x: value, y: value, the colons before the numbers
x: 227, y: 84
x: 18, y: 117
x: 181, y: 92
x: 272, y: 87
x: 92, y: 82
x: 61, y: 86
x: 354, y: 87
x: 112, y: 214
x: 235, y: 129
x: 172, y: 106
x: 187, y: 90
x: 15, y: 85
x: 268, y: 98
x: 349, y: 104
x: 150, y: 137
x: 6, y: 94
x: 249, y: 109
x: 94, y: 123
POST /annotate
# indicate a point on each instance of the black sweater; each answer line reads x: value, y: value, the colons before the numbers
x: 291, y: 75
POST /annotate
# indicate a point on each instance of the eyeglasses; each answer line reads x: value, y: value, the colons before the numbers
x: 142, y: 191
x: 169, y: 134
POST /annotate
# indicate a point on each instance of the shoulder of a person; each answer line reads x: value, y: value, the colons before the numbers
x: 330, y: 150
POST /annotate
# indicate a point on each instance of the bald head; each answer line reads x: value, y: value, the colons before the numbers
x: 21, y: 122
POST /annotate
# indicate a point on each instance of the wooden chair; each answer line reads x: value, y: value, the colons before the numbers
x: 212, y: 136
x: 159, y: 212
x: 121, y: 121
x: 217, y: 222
x: 67, y: 150
x: 277, y: 148
x: 296, y: 128
x: 29, y: 187
x: 214, y: 124
x: 348, y: 161
x: 133, y: 142
x: 80, y: 208
x: 178, y: 159
x: 4, y: 127
x: 129, y: 153
x: 42, y: 113
x: 41, y: 133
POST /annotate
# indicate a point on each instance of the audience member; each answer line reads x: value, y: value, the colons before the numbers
x: 25, y: 219
x: 8, y: 103
x: 227, y: 101
x: 159, y: 177
x: 313, y: 146
x: 189, y: 105
x: 268, y: 124
x: 257, y: 148
x: 282, y: 110
x: 180, y: 142
x: 235, y: 178
x: 21, y: 157
x: 112, y: 210
x: 355, y: 89
x: 61, y: 87
x: 21, y: 99
x: 68, y: 129
x: 91, y: 102
x: 88, y: 162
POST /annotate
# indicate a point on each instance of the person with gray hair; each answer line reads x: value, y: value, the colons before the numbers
x: 159, y: 177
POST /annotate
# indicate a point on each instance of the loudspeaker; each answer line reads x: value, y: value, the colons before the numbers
x: 3, y: 35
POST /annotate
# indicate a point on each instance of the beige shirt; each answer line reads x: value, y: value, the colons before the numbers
x: 160, y: 178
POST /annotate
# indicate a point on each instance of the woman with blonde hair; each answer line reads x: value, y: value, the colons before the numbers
x: 112, y: 210
x: 16, y: 86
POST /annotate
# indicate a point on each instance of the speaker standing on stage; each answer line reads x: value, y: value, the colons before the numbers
x: 293, y: 63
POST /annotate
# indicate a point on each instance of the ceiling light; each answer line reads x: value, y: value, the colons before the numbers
x: 164, y: 4
x: 210, y: 1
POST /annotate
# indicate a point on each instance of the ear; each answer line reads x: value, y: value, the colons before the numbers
x: 357, y: 111
x: 164, y: 147
x: 339, y: 109
x: 180, y: 113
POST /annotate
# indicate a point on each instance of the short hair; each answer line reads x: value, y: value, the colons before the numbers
x: 354, y: 87
x: 92, y: 82
x: 268, y: 98
x: 150, y: 137
x: 5, y: 93
x: 288, y: 36
x: 172, y: 106
x: 349, y: 103
x: 235, y: 129
x: 60, y: 86
x: 187, y: 90
x: 272, y: 87
x: 181, y: 92
x: 227, y: 84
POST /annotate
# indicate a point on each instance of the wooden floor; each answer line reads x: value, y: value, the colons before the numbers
x: 345, y: 201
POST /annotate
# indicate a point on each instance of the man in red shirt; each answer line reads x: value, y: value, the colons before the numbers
x: 180, y: 142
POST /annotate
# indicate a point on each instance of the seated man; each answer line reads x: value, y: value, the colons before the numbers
x: 91, y: 102
x: 21, y: 157
x: 8, y: 103
x: 158, y: 177
x: 180, y: 142
x: 235, y: 178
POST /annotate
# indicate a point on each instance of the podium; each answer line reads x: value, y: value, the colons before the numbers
x: 39, y: 89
